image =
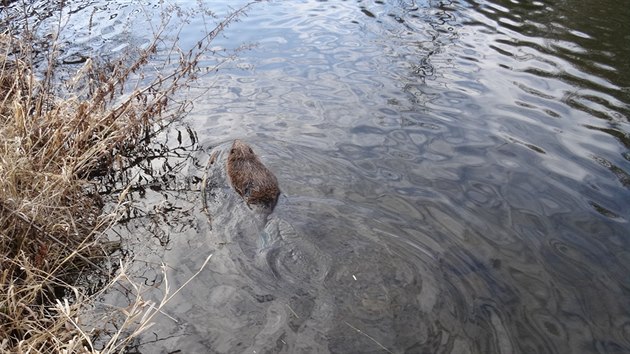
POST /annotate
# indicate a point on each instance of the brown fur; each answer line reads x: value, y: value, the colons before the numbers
x: 249, y: 177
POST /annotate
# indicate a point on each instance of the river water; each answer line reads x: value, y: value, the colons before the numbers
x: 455, y: 178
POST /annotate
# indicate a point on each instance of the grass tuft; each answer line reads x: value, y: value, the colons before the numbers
x: 57, y: 137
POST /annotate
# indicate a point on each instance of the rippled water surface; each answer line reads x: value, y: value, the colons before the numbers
x: 455, y: 177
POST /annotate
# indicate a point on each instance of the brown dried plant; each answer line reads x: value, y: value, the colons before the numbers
x: 52, y: 146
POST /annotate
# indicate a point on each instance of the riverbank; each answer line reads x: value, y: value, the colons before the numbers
x: 60, y: 139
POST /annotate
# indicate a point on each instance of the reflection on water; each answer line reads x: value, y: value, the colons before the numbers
x: 455, y: 179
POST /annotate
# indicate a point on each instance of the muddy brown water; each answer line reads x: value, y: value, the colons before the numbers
x: 455, y: 178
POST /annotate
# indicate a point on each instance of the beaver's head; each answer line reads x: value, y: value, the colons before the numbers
x: 240, y: 150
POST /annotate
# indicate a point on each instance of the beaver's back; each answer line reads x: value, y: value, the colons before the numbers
x: 249, y: 177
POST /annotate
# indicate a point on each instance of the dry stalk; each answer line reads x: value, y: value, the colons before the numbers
x: 52, y: 147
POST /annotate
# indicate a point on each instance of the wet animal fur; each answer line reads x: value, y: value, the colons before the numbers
x: 250, y: 178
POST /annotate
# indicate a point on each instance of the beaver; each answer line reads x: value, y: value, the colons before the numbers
x: 250, y: 178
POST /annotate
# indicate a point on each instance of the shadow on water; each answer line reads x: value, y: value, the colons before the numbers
x: 454, y: 174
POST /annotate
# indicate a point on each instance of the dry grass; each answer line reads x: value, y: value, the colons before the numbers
x: 52, y: 218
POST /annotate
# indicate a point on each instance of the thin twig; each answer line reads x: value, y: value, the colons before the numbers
x: 368, y: 336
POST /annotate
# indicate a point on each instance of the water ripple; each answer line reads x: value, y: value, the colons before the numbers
x: 455, y: 179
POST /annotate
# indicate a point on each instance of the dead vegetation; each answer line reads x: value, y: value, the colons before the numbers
x: 56, y: 138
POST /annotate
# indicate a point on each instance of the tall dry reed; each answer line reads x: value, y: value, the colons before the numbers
x: 55, y: 138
